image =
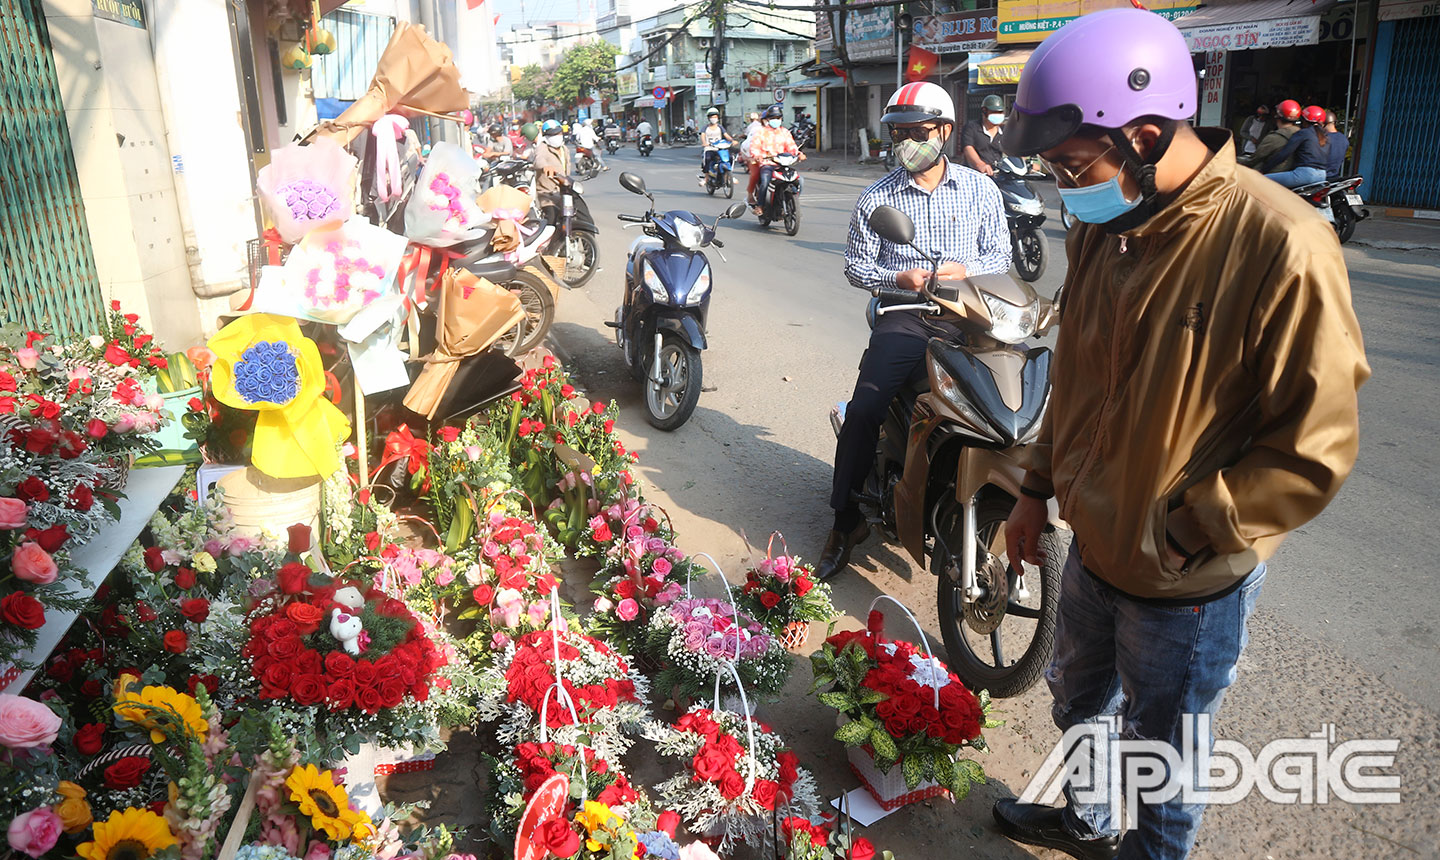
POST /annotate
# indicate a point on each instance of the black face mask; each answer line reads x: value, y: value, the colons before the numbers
x: 1144, y: 170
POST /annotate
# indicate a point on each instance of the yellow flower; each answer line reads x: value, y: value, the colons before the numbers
x: 74, y: 810
x: 135, y: 834
x: 361, y: 825
x: 203, y: 562
x: 264, y: 363
x: 159, y: 709
x: 322, y: 800
x: 594, y: 816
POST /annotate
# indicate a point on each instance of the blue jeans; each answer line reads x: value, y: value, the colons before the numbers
x: 1149, y: 665
x: 1299, y: 176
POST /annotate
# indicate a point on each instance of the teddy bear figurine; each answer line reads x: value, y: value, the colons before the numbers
x: 347, y: 630
x: 350, y: 598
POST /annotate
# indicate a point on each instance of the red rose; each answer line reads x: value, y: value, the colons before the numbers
x: 32, y: 489
x: 341, y: 694
x: 50, y: 539
x: 669, y: 820
x: 91, y: 688
x: 307, y: 618
x: 154, y: 561
x: 176, y: 641
x: 185, y: 579
x: 310, y: 663
x: 732, y: 785
x: 372, y: 541
x: 803, y: 586
x: 309, y: 689
x: 370, y: 700
x: 116, y: 354
x: 392, y: 692
x: 294, y: 577
x: 211, y: 683
x: 558, y: 837
x: 90, y: 738
x: 765, y: 792
x: 97, y: 428
x: 364, y: 673
x: 449, y: 434
x: 60, y: 670
x: 299, y: 538
x: 42, y: 437
x: 127, y: 772
x: 196, y: 609
x: 769, y: 599
x: 483, y: 594
x: 82, y: 498
x: 789, y: 766
x: 338, y: 664
x: 23, y: 611
x: 285, y: 648
x: 711, y: 763
x: 861, y: 849
x: 144, y: 613
x: 276, y: 676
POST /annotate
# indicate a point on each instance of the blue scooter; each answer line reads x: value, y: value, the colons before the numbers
x: 660, y: 324
x: 721, y: 173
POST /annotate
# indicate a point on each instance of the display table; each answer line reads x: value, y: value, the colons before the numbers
x: 144, y: 491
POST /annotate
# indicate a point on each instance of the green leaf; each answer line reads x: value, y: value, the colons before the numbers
x: 912, y: 768
x: 868, y: 696
x: 885, y: 750
x: 853, y: 734
x: 971, y: 770
x: 838, y: 701
x: 945, y: 771
x: 472, y: 612
x: 459, y: 527
x: 984, y: 697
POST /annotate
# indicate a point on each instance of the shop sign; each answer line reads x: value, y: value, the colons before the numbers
x: 869, y: 33
x: 1253, y: 35
x: 124, y: 11
x: 954, y: 32
x: 1212, y: 90
x: 703, y: 81
x: 1395, y: 10
x: 627, y: 83
x: 1001, y: 71
x: 1338, y: 24
x: 1033, y: 20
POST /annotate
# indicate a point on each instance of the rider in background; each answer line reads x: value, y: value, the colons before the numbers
x: 772, y: 140
x: 980, y: 138
x: 586, y: 137
x: 1338, y: 145
x: 1287, y: 123
x: 1309, y: 148
x: 712, y: 134
x: 498, y: 145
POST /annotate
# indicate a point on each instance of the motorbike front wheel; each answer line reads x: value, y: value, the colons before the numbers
x: 792, y: 215
x: 539, y: 307
x: 581, y: 255
x: 729, y: 185
x: 981, y: 637
x: 1031, y: 253
x: 670, y: 402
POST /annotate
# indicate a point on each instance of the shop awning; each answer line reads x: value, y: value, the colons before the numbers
x: 1004, y: 69
x: 816, y: 84
x: 1247, y: 25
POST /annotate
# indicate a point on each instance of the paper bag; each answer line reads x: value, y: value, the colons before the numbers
x: 473, y: 314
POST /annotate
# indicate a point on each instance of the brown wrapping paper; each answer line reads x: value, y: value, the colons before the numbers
x: 506, y: 237
x: 415, y: 71
x: 473, y: 313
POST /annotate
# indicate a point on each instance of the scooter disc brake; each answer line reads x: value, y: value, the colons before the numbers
x: 984, y: 615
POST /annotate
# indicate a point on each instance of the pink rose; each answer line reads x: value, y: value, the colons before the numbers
x: 661, y: 566
x: 35, y: 832
x: 13, y: 514
x: 33, y: 564
x: 472, y: 452
x: 603, y: 604
x: 444, y: 577
x: 318, y: 851
x: 27, y: 357
x: 627, y: 609
x: 26, y: 723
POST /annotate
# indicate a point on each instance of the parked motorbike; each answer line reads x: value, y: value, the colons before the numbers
x: 660, y: 324
x: 1025, y: 212
x: 576, y: 233
x: 781, y: 197
x: 1339, y: 202
x: 687, y: 136
x: 645, y: 145
x: 514, y: 172
x: 947, y: 468
x: 587, y: 166
x: 804, y: 133
x: 721, y: 174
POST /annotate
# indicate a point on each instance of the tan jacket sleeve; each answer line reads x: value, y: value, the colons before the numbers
x: 1305, y: 348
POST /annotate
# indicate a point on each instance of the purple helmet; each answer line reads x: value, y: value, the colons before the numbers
x: 1104, y: 69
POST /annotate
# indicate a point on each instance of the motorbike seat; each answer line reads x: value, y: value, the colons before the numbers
x: 1311, y: 188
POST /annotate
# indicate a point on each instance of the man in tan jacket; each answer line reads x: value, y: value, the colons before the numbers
x: 1203, y: 405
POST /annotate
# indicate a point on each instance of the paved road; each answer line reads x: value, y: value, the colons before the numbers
x: 1347, y: 629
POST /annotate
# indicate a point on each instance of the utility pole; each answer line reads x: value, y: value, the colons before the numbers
x: 717, y: 51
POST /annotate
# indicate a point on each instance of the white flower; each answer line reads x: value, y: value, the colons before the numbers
x: 96, y: 341
x: 929, y: 672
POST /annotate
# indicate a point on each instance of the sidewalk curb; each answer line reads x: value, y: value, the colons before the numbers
x: 1393, y: 245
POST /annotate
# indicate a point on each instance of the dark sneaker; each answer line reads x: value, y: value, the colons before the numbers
x: 836, y: 556
x: 1045, y: 826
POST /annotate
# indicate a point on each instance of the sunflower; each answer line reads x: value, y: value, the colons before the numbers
x: 322, y: 800
x: 159, y: 709
x: 135, y: 834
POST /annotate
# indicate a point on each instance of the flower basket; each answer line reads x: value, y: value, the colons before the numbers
x: 889, y: 789
x: 782, y: 594
x: 796, y: 634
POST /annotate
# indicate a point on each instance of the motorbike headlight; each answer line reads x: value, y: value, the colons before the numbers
x: 692, y: 236
x: 1031, y: 207
x: 948, y: 389
x: 1011, y: 323
x: 653, y: 283
x: 577, y: 188
x: 701, y: 288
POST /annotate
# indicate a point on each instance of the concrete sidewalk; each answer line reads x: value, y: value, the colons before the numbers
x: 1403, y: 234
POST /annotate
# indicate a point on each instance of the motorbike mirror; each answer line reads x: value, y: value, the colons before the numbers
x: 632, y: 183
x: 891, y: 224
x: 735, y: 211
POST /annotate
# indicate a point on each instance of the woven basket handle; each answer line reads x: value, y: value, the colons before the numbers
x: 729, y: 598
x: 923, y: 640
x: 749, y: 723
x: 562, y: 696
x: 769, y: 553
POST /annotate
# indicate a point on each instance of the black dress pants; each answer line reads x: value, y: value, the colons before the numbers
x: 892, y: 361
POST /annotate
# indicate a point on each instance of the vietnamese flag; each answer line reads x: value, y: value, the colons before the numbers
x: 472, y: 5
x: 921, y: 64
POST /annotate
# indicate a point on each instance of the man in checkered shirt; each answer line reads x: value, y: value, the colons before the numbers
x: 959, y: 220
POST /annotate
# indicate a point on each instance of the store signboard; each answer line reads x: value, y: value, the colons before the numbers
x: 954, y: 32
x: 869, y: 33
x: 1254, y: 35
x: 1212, y: 89
x: 1395, y: 10
x: 1033, y: 20
x: 703, y: 81
x: 627, y: 83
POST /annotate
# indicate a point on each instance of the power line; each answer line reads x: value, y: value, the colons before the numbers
x: 828, y: 7
x: 740, y: 16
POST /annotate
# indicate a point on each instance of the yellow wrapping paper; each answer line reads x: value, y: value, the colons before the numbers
x: 473, y: 313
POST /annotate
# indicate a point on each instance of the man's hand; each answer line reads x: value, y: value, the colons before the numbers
x: 1023, y: 529
x: 952, y: 271
x: 912, y: 279
x: 548, y: 171
x: 802, y: 155
x: 987, y: 169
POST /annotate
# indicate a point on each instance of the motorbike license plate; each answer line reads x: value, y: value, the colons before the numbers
x: 1353, y: 199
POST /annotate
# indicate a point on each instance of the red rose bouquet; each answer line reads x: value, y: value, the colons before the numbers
x: 532, y: 763
x: 901, y: 706
x: 736, y: 777
x: 607, y: 696
x: 784, y: 595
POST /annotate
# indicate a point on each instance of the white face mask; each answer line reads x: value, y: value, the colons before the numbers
x: 995, y: 118
x: 714, y: 120
x: 774, y: 123
x: 555, y: 139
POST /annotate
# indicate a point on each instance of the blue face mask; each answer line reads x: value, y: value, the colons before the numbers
x: 774, y: 123
x: 1097, y: 204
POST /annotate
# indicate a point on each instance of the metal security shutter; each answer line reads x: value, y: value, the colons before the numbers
x: 1406, y: 171
x: 359, y: 42
x: 47, y: 270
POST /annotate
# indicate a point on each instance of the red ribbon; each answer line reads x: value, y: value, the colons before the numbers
x: 402, y: 444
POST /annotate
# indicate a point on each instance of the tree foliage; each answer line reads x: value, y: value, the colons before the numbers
x: 533, y: 86
x: 583, y: 68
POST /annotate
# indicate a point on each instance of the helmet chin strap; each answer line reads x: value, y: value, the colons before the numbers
x: 1144, y: 169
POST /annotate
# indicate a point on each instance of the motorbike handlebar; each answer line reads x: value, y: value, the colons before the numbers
x: 896, y: 293
x: 637, y: 219
x: 717, y: 243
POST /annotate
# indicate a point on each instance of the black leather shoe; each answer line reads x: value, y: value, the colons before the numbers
x: 1045, y: 826
x: 836, y: 556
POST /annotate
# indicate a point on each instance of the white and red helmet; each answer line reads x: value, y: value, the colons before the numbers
x: 920, y: 102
